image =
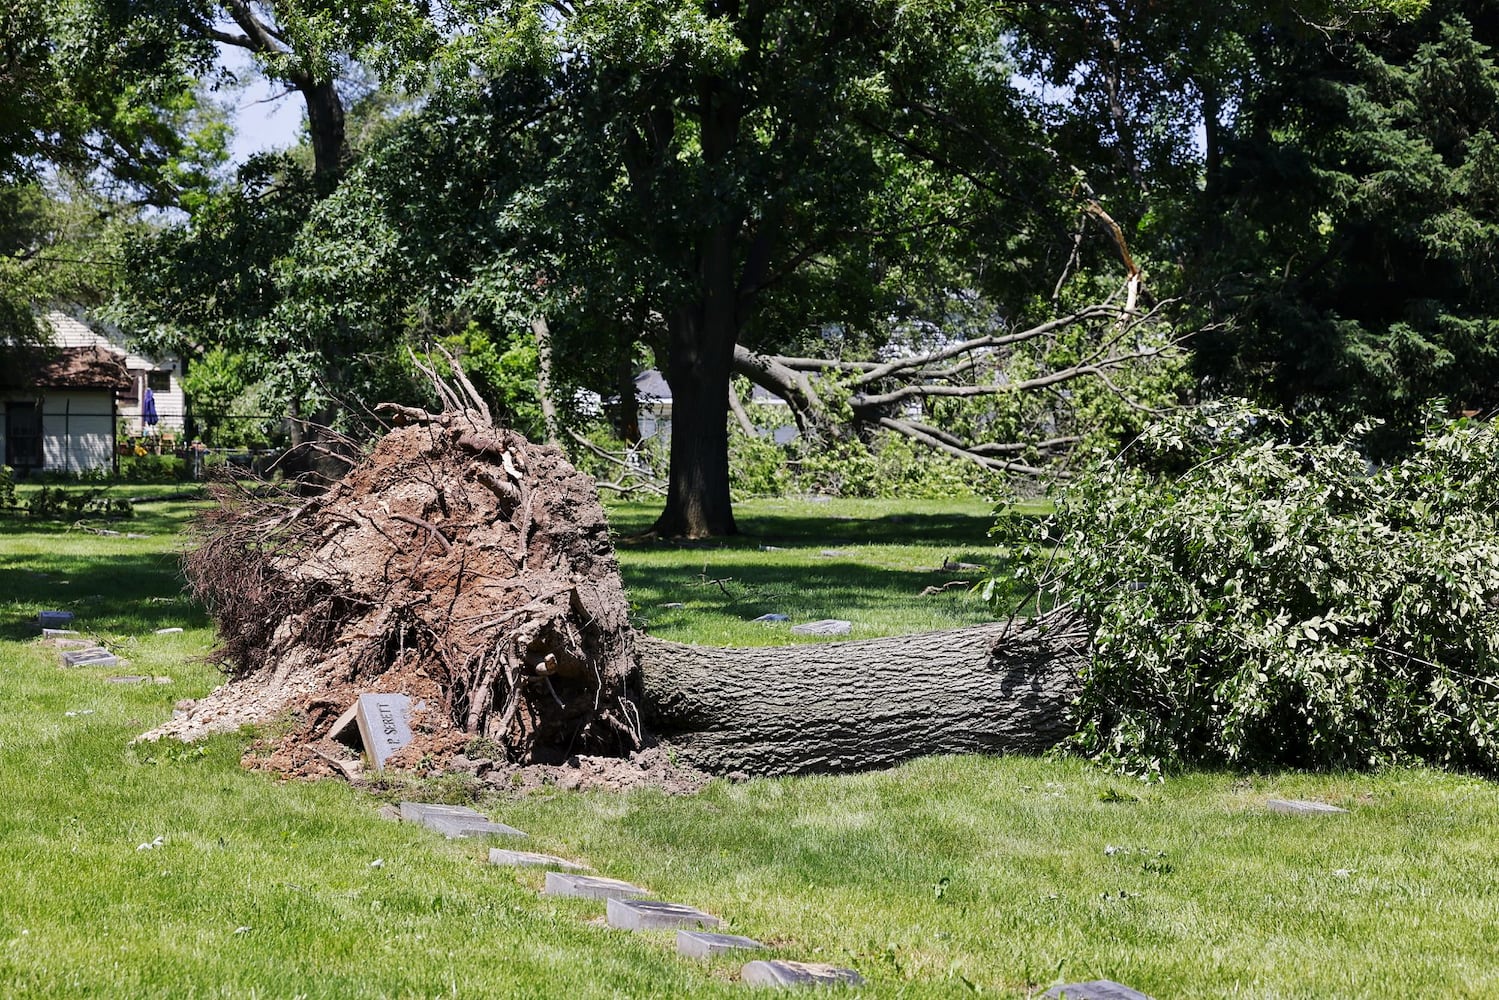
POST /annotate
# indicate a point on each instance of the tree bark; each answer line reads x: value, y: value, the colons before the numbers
x: 549, y: 422
x: 325, y: 127
x: 698, y: 504
x: 851, y: 706
x: 627, y: 416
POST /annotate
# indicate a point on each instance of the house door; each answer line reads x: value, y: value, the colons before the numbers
x: 23, y: 437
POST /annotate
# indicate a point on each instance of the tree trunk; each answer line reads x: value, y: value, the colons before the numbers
x: 627, y: 416
x: 549, y: 422
x: 325, y: 126
x: 851, y: 706
x: 697, y: 493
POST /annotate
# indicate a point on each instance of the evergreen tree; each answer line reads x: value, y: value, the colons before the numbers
x: 1354, y: 247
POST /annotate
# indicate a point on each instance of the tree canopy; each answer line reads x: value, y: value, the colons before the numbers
x: 1299, y: 193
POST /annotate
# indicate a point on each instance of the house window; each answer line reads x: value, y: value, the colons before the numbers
x: 159, y: 381
x: 23, y: 436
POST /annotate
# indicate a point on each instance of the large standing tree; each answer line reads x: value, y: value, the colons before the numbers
x: 1361, y: 220
x: 99, y: 116
x: 718, y: 167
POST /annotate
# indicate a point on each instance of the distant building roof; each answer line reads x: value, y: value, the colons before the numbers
x: 651, y: 385
x: 70, y: 332
x: 67, y: 368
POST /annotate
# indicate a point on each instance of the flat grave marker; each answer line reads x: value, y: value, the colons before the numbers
x: 1097, y: 989
x: 57, y: 633
x: 417, y: 812
x: 94, y: 656
x: 828, y: 626
x: 54, y: 619
x: 784, y: 974
x: 529, y: 859
x: 455, y: 827
x: 1299, y: 807
x: 654, y: 915
x: 706, y: 944
x: 590, y: 887
x: 131, y: 679
x: 383, y: 725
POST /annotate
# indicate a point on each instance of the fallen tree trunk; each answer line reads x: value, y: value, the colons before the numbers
x: 471, y: 571
x: 852, y: 706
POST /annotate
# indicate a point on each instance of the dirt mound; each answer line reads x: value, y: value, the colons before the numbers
x: 458, y: 563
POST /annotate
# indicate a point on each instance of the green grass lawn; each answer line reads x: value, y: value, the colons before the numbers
x: 863, y: 561
x: 942, y: 878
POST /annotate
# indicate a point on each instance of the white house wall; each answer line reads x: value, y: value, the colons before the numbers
x: 77, y: 431
x: 171, y: 404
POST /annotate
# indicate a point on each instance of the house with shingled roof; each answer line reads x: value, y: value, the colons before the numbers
x: 62, y: 403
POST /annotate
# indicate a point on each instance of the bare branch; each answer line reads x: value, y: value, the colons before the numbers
x: 468, y: 387
x: 924, y: 436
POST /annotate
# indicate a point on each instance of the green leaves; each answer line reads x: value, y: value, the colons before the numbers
x: 1283, y: 604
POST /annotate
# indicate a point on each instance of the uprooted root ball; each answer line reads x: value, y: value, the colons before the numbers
x: 458, y: 561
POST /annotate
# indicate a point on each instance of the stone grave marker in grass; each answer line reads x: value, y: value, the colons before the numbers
x: 94, y: 656
x: 1097, y: 989
x: 455, y: 821
x: 130, y: 679
x: 706, y: 944
x: 1298, y: 807
x: 54, y: 619
x: 455, y: 827
x: 57, y: 633
x: 528, y: 859
x: 654, y: 915
x: 785, y: 974
x: 590, y: 887
x: 828, y: 626
x: 417, y: 812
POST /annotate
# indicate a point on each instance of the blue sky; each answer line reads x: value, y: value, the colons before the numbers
x: 265, y: 117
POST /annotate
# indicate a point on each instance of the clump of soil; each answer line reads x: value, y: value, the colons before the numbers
x: 652, y: 767
x: 458, y: 563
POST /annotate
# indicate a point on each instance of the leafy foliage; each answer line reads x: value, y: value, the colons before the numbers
x: 1258, y: 602
x: 1353, y: 251
x: 51, y: 503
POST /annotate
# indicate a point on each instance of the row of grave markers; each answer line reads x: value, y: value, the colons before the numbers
x: 627, y: 906
x: 381, y: 722
x: 75, y: 651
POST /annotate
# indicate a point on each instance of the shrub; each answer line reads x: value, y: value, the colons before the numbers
x: 52, y: 503
x: 758, y: 467
x: 152, y: 468
x: 1253, y: 601
x: 7, y: 487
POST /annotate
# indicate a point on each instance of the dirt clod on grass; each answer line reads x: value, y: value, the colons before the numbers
x: 459, y: 564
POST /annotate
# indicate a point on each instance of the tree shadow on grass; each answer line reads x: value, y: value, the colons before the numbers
x: 789, y: 530
x: 120, y: 594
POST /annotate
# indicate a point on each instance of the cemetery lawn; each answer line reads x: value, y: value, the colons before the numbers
x: 862, y: 561
x: 943, y: 878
